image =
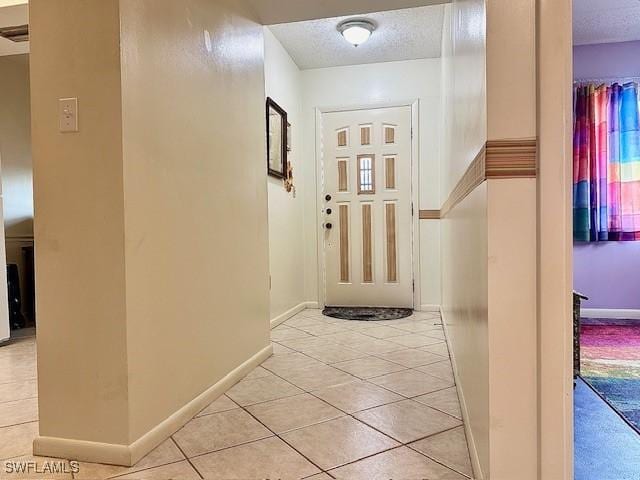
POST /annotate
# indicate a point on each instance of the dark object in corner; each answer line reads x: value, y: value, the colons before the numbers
x: 577, y: 300
x: 16, y: 319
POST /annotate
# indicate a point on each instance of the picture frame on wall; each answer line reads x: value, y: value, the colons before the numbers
x: 277, y: 126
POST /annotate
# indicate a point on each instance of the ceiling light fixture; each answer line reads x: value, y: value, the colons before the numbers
x: 356, y: 32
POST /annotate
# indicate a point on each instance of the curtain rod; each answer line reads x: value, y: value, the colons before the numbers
x: 607, y: 80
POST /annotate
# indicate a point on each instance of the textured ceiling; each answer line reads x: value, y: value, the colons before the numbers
x: 605, y: 21
x: 12, y: 16
x: 282, y: 11
x: 406, y: 34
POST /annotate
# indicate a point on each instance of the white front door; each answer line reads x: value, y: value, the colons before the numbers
x: 366, y: 207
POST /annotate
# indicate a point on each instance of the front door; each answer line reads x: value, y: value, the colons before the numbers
x: 366, y: 206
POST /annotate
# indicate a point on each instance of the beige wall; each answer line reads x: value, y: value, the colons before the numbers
x: 466, y: 316
x: 167, y: 291
x: 194, y: 150
x: 79, y: 205
x: 286, y: 226
x: 464, y: 229
x: 511, y: 114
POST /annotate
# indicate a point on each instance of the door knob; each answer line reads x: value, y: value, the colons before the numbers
x: 328, y: 198
x: 329, y: 211
x: 328, y: 226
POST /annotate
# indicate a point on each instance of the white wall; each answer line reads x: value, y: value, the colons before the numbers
x: 286, y: 241
x: 376, y: 84
x: 464, y: 230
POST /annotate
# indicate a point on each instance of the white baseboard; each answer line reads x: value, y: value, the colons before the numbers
x: 429, y: 308
x: 473, y: 451
x: 291, y: 312
x: 610, y: 313
x: 128, y: 455
x: 283, y: 317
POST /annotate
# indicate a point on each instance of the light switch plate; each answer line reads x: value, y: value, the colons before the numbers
x: 68, y: 108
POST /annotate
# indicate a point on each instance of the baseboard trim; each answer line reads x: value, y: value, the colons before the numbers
x: 473, y: 451
x: 283, y: 317
x: 614, y: 313
x: 128, y: 455
x: 429, y: 308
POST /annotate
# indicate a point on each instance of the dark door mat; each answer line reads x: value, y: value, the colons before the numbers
x: 367, y: 313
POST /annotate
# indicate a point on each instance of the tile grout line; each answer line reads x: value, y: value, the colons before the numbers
x: 439, y: 462
x: 352, y: 415
x: 372, y: 383
x: 120, y: 475
x: 17, y: 400
x: 37, y: 420
x: 402, y: 444
x: 283, y: 440
x: 186, y: 457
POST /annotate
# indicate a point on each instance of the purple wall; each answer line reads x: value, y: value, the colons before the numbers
x: 608, y: 272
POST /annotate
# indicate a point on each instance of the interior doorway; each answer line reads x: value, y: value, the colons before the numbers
x: 367, y: 207
x: 17, y: 296
x: 606, y: 238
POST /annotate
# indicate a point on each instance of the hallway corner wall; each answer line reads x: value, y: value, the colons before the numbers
x: 79, y: 226
x: 195, y: 196
x: 490, y: 229
x: 286, y: 225
x: 464, y: 227
x: 151, y: 220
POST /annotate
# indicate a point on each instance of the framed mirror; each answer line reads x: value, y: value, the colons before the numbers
x: 276, y: 140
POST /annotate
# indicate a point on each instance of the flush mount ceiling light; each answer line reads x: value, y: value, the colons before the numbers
x: 356, y: 32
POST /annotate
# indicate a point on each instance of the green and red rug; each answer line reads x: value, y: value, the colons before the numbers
x: 611, y: 364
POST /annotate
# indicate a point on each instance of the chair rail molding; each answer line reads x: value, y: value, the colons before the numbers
x: 496, y: 160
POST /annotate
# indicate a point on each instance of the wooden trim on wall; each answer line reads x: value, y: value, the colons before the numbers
x: 512, y: 158
x: 497, y: 159
x: 473, y: 177
x: 429, y: 214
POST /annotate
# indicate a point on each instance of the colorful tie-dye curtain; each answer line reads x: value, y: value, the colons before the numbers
x: 606, y: 163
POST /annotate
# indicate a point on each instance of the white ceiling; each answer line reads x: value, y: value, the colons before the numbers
x: 282, y: 11
x: 12, y: 16
x: 407, y: 34
x: 605, y: 21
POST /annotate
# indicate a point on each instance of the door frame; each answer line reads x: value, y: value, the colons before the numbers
x: 414, y: 104
x: 555, y: 238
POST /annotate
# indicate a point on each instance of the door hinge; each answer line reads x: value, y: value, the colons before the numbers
x: 413, y: 285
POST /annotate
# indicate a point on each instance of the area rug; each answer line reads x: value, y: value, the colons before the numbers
x: 367, y: 313
x: 611, y: 364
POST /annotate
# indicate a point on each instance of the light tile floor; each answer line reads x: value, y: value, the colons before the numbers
x: 338, y: 399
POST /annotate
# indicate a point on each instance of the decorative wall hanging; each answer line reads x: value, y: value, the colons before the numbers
x: 276, y: 140
x: 288, y: 182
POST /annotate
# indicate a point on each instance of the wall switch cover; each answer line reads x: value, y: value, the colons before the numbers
x: 68, y: 108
